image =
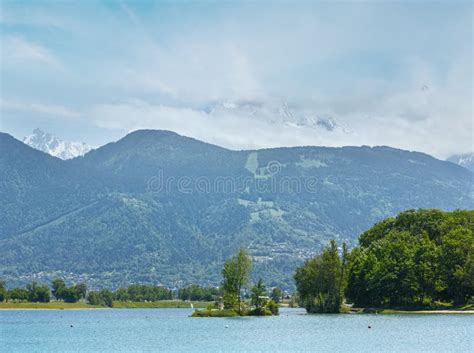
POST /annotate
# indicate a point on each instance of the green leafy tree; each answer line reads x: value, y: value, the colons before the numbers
x: 93, y: 298
x: 273, y: 307
x: 236, y: 274
x: 103, y: 297
x: 38, y: 293
x: 320, y: 281
x: 57, y: 286
x: 121, y: 294
x: 198, y: 293
x: 142, y: 292
x: 81, y: 290
x: 413, y: 260
x: 457, y: 256
x: 70, y: 294
x: 3, y: 291
x: 106, y: 297
x: 18, y: 294
x: 259, y: 296
x: 276, y: 295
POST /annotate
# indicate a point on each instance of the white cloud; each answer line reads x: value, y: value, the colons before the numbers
x: 425, y: 115
x: 16, y: 49
x: 161, y: 66
x: 53, y: 111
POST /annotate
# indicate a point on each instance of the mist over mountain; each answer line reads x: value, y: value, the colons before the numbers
x: 158, y: 207
x: 280, y: 113
x: 54, y: 146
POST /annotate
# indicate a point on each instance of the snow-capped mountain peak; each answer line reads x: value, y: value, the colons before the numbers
x: 464, y: 160
x: 277, y: 113
x: 54, y: 146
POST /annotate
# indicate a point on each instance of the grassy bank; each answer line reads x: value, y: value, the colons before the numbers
x: 161, y: 304
x: 51, y: 305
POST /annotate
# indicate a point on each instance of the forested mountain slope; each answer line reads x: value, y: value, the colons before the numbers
x: 159, y: 207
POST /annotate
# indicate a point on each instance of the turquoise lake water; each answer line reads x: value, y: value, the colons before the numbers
x: 171, y: 330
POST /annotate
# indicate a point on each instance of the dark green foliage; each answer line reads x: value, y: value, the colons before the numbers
x: 259, y: 296
x: 57, y: 286
x: 142, y: 292
x: 106, y: 297
x: 81, y: 290
x: 261, y: 304
x: 3, y: 291
x: 320, y: 281
x: 93, y: 298
x: 215, y: 313
x: 38, y: 293
x: 260, y: 312
x: 273, y: 307
x: 199, y: 293
x: 414, y: 259
x: 276, y: 295
x: 18, y: 294
x: 103, y: 297
x: 96, y: 217
x: 69, y: 294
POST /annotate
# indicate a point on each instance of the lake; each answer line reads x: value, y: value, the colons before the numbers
x: 172, y: 330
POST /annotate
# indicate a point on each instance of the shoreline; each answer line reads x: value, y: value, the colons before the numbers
x: 28, y: 306
x: 388, y: 311
x: 442, y: 312
x: 59, y: 309
x: 55, y: 305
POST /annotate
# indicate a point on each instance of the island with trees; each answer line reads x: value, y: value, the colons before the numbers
x: 236, y: 275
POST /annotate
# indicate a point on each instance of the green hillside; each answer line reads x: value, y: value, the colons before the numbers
x: 162, y: 208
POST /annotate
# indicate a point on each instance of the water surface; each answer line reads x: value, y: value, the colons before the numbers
x: 172, y: 330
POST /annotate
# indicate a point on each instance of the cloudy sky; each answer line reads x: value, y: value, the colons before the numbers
x: 242, y: 74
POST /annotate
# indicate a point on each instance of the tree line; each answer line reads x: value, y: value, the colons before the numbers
x: 35, y: 292
x: 417, y: 259
x: 42, y: 293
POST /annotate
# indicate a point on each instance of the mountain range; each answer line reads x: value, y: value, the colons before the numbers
x: 280, y: 114
x: 157, y: 207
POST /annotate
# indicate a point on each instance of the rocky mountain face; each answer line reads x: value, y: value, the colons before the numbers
x: 54, y: 146
x: 464, y: 160
x: 157, y: 207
